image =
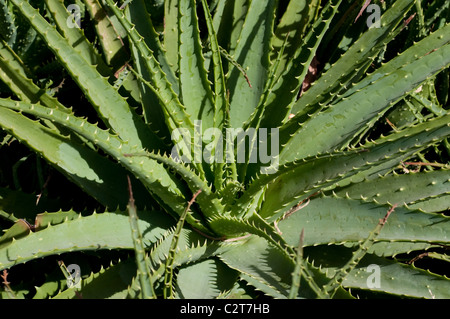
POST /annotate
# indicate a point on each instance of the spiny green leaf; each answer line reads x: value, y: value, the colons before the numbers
x: 75, y: 36
x: 379, y: 274
x: 423, y: 47
x: 239, y: 10
x: 143, y: 264
x: 195, y: 88
x: 341, y: 274
x: 433, y: 204
x: 207, y: 200
x: 100, y: 177
x: 108, y: 283
x: 176, y: 116
x: 215, y: 278
x: 286, y: 88
x: 136, y: 11
x: 18, y: 230
x: 7, y: 23
x: 356, y: 59
x: 16, y: 204
x: 221, y: 103
x: 332, y: 168
x: 98, y: 231
x: 338, y: 220
x: 149, y: 171
x: 171, y: 33
x: 14, y: 73
x: 109, y: 37
x: 270, y: 269
x: 400, y: 189
x: 120, y: 117
x: 297, y: 273
x: 336, y: 125
x: 252, y: 52
x: 293, y: 24
x: 168, y: 278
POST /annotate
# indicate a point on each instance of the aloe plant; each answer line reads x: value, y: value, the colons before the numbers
x: 216, y: 172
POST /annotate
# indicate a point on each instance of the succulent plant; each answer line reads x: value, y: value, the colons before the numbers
x: 239, y: 148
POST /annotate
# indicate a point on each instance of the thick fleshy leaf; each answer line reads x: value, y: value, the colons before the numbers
x: 328, y: 220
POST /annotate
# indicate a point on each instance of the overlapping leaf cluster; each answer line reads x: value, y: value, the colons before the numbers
x: 359, y: 113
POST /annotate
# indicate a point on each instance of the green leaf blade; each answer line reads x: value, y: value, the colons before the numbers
x: 338, y: 124
x: 195, y: 88
x: 329, y: 220
x: 102, y: 95
x: 252, y: 52
x: 98, y: 231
